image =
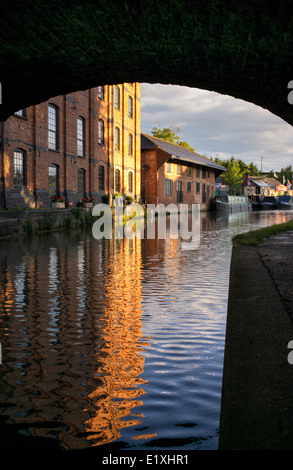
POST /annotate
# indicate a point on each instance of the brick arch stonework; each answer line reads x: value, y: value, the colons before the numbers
x: 240, y: 48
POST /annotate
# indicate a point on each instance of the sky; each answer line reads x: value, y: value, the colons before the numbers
x: 218, y: 125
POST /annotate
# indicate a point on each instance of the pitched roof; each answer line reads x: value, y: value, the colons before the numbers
x: 260, y: 183
x: 175, y: 150
x: 272, y: 182
x: 265, y: 181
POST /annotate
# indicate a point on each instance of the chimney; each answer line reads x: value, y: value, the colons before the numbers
x: 245, y: 181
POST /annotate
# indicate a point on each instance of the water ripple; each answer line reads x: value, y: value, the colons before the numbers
x: 116, y: 342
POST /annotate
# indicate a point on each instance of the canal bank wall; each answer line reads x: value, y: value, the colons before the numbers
x: 257, y: 389
x: 29, y: 221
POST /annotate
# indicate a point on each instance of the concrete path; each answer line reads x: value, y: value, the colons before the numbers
x: 257, y: 394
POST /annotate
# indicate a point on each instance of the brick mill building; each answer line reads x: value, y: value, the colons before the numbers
x: 83, y: 144
x: 172, y: 174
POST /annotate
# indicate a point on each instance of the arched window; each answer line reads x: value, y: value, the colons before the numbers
x: 117, y: 138
x: 130, y: 144
x: 52, y: 127
x: 19, y: 167
x: 80, y: 137
x: 130, y: 106
x: 80, y: 183
x: 117, y: 181
x: 101, y: 92
x: 53, y: 180
x: 117, y: 97
x: 130, y: 182
x: 101, y: 178
x: 101, y: 132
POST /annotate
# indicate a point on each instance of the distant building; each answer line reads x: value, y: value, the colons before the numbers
x: 78, y: 145
x: 173, y: 174
x: 262, y: 185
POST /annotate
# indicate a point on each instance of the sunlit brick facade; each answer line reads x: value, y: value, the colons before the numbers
x: 84, y: 144
x: 171, y: 174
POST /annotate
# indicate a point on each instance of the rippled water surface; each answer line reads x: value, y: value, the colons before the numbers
x: 117, y: 342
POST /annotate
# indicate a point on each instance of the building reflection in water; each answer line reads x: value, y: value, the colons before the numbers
x: 74, y: 316
x: 72, y: 340
x: 119, y: 355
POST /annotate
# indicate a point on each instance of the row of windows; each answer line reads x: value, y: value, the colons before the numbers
x: 19, y: 176
x: 52, y: 133
x: 205, y: 173
x: 19, y: 173
x: 118, y: 141
x: 81, y: 174
x: 53, y: 130
x: 170, y: 183
x: 81, y: 180
x: 117, y: 99
x: 118, y: 181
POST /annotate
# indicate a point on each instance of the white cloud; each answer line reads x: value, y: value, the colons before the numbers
x: 217, y: 124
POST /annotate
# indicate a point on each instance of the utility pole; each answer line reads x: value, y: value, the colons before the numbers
x: 261, y: 159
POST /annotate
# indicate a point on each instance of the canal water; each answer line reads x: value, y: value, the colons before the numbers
x: 116, y: 342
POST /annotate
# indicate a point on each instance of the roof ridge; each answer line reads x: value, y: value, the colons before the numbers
x: 184, y: 152
x: 173, y: 143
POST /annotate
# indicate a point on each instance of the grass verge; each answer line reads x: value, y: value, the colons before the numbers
x: 257, y: 236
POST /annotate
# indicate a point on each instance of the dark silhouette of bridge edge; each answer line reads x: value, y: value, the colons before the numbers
x: 243, y: 49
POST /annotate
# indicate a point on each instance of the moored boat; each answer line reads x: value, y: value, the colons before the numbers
x: 269, y: 203
x: 285, y: 203
x: 233, y: 203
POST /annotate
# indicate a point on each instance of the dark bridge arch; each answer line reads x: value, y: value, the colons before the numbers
x: 241, y: 48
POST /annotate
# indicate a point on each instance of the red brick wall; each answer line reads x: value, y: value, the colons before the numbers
x: 31, y: 135
x: 121, y: 158
x: 153, y: 182
x: 149, y: 176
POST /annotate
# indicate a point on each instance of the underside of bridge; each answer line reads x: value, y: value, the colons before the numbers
x: 240, y: 48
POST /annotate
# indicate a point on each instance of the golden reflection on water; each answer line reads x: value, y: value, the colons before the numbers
x: 73, y: 310
x: 120, y: 388
x: 72, y: 340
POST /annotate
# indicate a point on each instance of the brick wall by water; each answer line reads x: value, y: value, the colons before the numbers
x: 197, y: 183
x: 29, y: 134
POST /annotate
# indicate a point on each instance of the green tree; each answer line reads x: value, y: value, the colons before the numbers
x: 185, y: 145
x: 251, y: 169
x: 285, y: 173
x: 242, y: 165
x: 166, y: 134
x: 170, y: 134
x: 233, y: 176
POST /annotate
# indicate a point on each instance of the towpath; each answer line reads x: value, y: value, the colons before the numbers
x: 257, y: 394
